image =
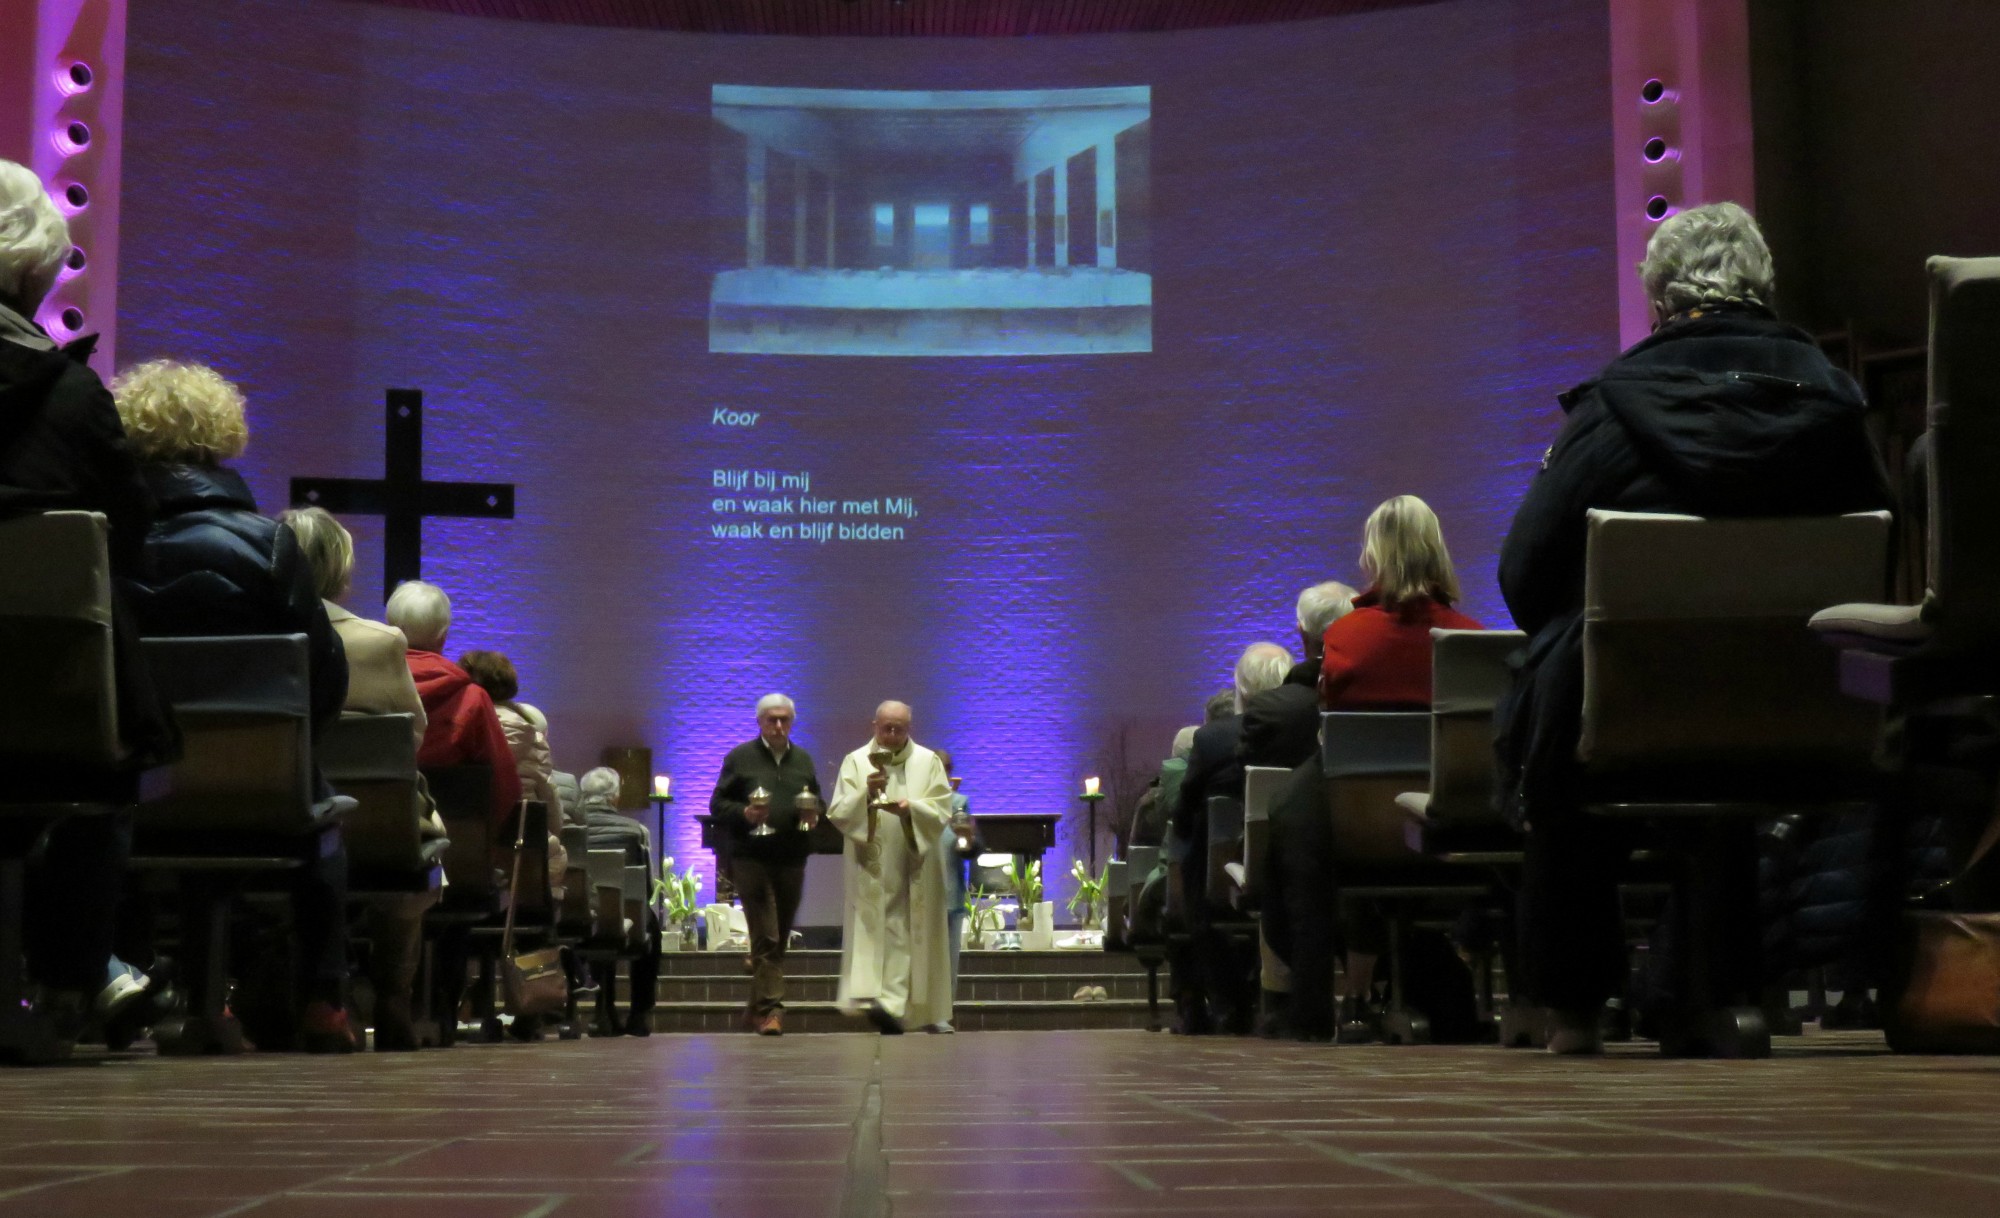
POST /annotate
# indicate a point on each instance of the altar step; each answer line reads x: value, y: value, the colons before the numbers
x: 997, y: 991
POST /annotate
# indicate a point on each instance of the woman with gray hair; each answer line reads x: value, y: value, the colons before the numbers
x: 63, y: 449
x: 1723, y: 411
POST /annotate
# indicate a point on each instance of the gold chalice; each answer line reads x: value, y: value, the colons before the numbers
x: 760, y: 798
x: 808, y: 806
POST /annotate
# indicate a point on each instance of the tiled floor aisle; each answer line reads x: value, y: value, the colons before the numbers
x: 1013, y: 1124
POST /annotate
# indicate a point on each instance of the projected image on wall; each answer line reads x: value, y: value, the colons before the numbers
x: 865, y: 222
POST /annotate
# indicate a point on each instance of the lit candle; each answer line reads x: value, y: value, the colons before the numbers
x: 660, y: 782
x: 1090, y: 786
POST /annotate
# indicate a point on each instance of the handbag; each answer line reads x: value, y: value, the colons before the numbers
x: 533, y: 984
x: 1949, y: 1000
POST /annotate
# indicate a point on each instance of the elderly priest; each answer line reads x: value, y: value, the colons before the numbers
x: 891, y: 804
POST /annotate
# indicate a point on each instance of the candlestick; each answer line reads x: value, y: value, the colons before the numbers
x: 1091, y: 798
x: 661, y: 783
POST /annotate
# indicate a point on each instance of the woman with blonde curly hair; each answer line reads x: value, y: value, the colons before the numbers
x: 216, y: 567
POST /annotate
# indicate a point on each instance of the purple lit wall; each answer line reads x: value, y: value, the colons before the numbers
x: 1380, y: 245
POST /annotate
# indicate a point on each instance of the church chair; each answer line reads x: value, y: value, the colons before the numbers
x: 1369, y: 758
x: 613, y: 929
x: 1710, y: 707
x: 1143, y: 927
x: 372, y: 759
x: 242, y: 814
x: 1456, y: 821
x: 1261, y: 785
x: 1225, y: 846
x: 1922, y: 657
x: 60, y: 750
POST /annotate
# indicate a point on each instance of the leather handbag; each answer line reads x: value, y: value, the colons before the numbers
x: 1949, y: 1000
x: 533, y: 984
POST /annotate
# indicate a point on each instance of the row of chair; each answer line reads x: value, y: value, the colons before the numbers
x: 237, y: 814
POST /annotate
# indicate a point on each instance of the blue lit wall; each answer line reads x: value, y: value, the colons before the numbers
x: 1379, y: 246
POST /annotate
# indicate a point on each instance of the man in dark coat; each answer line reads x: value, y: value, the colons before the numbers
x: 1723, y: 411
x: 1211, y: 971
x: 1281, y: 729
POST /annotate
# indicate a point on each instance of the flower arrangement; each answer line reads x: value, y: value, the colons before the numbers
x: 677, y: 894
x: 982, y: 913
x: 1089, y: 892
x: 1027, y: 885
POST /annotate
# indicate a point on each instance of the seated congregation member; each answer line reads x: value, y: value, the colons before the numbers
x: 612, y: 829
x: 1212, y: 978
x: 527, y: 731
x: 62, y: 448
x: 462, y: 727
x: 215, y: 566
x: 1379, y: 658
x: 1281, y: 729
x: 1722, y: 411
x: 378, y: 683
x: 1281, y: 726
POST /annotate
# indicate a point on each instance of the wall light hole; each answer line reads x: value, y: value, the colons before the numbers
x: 1657, y: 207
x: 1655, y: 150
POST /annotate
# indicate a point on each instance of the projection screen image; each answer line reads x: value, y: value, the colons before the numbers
x: 978, y: 222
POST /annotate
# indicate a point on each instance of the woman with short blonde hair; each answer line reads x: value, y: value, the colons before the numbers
x: 181, y: 414
x: 216, y: 566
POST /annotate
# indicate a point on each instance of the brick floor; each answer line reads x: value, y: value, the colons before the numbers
x: 1013, y: 1124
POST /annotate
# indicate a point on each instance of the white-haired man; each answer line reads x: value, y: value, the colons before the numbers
x: 461, y: 726
x: 891, y: 803
x: 1723, y: 411
x: 1209, y: 975
x: 758, y: 805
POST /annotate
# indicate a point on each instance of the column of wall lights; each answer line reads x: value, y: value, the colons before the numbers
x: 70, y: 133
x: 1661, y: 151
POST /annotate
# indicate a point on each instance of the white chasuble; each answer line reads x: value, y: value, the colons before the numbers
x: 893, y: 949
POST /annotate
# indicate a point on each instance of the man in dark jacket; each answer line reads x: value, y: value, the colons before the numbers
x: 1723, y: 411
x: 62, y: 449
x: 769, y: 842
x: 1211, y: 971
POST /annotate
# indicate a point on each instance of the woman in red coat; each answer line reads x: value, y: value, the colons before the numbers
x: 1379, y: 658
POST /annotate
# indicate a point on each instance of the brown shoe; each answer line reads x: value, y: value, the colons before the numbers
x: 772, y: 1024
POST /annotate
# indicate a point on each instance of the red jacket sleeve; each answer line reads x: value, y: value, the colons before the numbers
x: 486, y: 744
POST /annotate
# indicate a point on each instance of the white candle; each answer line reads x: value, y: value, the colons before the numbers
x: 1090, y: 786
x: 660, y: 782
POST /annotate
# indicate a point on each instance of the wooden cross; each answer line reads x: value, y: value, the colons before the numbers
x: 401, y: 497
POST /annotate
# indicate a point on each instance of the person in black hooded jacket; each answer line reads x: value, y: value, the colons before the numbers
x: 1722, y: 411
x: 215, y: 566
x: 62, y: 449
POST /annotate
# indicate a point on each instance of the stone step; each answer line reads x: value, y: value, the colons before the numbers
x: 971, y: 964
x: 1022, y: 987
x: 821, y: 1017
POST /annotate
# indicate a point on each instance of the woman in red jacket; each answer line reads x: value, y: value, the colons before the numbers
x: 1379, y: 658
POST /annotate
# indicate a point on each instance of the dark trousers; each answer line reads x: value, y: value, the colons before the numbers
x: 1301, y: 908
x: 645, y: 971
x: 319, y: 902
x: 770, y: 890
x: 71, y: 900
x: 1572, y: 927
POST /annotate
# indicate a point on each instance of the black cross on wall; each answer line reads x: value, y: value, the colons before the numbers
x: 401, y: 497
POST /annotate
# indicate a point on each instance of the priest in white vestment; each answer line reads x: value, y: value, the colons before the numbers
x: 895, y: 965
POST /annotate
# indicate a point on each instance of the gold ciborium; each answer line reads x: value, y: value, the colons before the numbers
x: 808, y: 806
x: 760, y: 798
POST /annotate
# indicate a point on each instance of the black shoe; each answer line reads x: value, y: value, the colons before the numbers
x: 639, y: 1023
x: 885, y: 1023
x: 1358, y: 1023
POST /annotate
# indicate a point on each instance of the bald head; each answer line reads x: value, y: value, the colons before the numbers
x: 892, y: 726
